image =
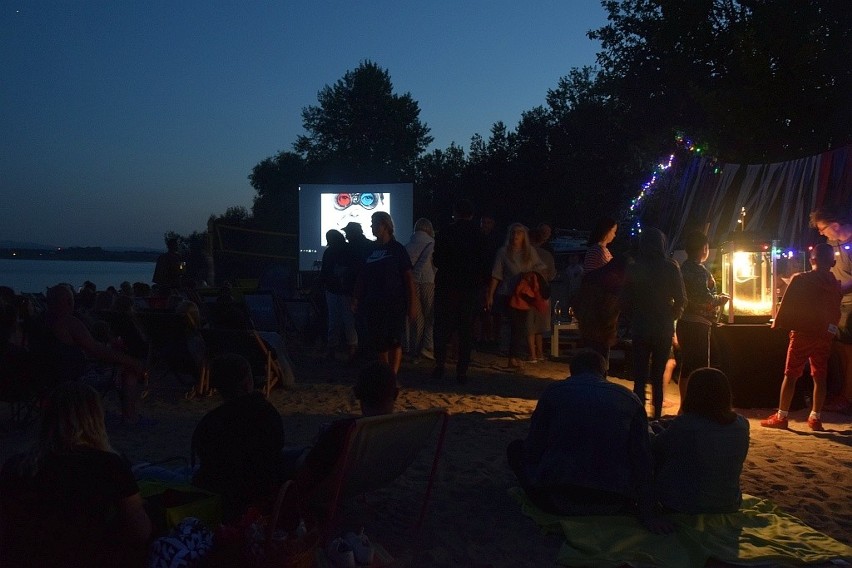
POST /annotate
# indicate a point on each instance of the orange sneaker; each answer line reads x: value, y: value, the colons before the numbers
x: 816, y: 424
x: 775, y: 422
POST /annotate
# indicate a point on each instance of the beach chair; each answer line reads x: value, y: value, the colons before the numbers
x: 249, y: 344
x: 264, y: 311
x: 378, y: 450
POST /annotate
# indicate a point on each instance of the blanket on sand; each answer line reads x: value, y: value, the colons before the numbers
x: 758, y: 534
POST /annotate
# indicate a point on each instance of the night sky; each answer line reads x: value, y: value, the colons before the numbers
x: 123, y: 120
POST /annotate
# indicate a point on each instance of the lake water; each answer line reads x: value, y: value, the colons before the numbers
x: 38, y: 275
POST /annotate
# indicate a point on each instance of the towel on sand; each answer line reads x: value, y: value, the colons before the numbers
x: 759, y: 533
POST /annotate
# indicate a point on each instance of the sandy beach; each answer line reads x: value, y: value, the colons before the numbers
x: 471, y: 521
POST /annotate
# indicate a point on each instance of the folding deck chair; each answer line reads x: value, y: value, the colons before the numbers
x: 248, y: 344
x: 379, y: 449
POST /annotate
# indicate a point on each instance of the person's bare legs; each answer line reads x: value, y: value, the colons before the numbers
x: 788, y: 389
x: 820, y: 391
x: 531, y: 346
x: 393, y: 358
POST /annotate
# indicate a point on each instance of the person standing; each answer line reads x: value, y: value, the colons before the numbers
x: 810, y: 309
x: 598, y: 254
x: 385, y: 292
x: 654, y: 296
x: 420, y: 250
x: 169, y: 268
x: 513, y: 260
x: 836, y: 227
x: 339, y: 267
x: 460, y: 257
x: 538, y: 323
x: 701, y: 310
x: 361, y: 246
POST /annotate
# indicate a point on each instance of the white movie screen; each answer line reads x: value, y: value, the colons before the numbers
x: 326, y: 207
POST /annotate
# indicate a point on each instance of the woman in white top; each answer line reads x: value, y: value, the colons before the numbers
x: 515, y: 258
x: 420, y: 249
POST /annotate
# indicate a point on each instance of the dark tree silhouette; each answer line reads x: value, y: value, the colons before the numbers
x: 361, y: 131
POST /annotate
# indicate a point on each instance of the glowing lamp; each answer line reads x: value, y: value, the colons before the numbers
x: 748, y: 277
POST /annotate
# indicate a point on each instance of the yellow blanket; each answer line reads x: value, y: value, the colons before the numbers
x: 759, y: 533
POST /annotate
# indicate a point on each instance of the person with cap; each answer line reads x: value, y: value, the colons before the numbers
x: 356, y: 239
x: 360, y: 247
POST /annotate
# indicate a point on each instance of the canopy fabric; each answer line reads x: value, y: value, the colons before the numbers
x: 777, y: 197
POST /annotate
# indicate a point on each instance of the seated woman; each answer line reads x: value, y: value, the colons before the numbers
x: 698, y: 458
x: 71, y: 500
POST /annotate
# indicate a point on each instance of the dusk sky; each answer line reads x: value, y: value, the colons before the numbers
x: 123, y: 120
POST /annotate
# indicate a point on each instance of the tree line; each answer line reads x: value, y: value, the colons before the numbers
x: 754, y: 81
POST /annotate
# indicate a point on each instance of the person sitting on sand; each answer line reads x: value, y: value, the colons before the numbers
x: 588, y: 450
x: 239, y: 443
x: 71, y: 500
x: 62, y: 342
x: 699, y: 455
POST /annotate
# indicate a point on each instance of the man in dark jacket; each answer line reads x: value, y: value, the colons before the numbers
x: 460, y: 260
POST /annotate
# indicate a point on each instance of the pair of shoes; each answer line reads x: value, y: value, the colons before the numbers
x: 340, y: 554
x: 532, y: 361
x: 361, y: 547
x: 815, y: 424
x: 774, y: 422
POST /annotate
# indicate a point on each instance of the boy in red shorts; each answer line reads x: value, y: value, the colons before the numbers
x: 810, y: 309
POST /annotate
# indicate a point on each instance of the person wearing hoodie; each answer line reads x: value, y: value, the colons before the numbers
x: 420, y: 249
x: 810, y: 309
x: 654, y: 297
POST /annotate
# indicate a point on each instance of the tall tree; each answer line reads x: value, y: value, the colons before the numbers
x: 276, y: 181
x: 361, y: 131
x: 761, y: 80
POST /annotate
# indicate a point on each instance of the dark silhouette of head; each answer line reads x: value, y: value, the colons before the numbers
x: 376, y: 389
x: 708, y: 394
x: 822, y: 256
x: 334, y: 238
x: 231, y: 375
x: 601, y: 228
x: 694, y: 243
x: 588, y: 361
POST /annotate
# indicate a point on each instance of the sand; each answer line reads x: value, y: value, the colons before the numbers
x: 471, y: 521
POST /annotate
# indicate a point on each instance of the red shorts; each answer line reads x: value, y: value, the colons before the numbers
x: 804, y: 347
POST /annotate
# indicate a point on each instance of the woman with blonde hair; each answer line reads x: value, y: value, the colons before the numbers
x: 514, y: 259
x: 71, y: 500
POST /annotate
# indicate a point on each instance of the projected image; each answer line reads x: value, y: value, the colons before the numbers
x: 339, y: 209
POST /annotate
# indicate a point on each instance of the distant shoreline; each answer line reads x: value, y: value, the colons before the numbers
x: 78, y: 253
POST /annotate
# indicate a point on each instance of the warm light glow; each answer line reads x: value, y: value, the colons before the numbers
x: 755, y: 307
x: 743, y: 267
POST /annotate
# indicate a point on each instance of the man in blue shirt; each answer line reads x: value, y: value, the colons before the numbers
x: 588, y: 450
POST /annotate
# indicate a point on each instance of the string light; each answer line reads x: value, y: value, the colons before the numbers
x: 648, y: 187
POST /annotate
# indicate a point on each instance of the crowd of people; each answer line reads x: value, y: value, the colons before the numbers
x: 442, y: 291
